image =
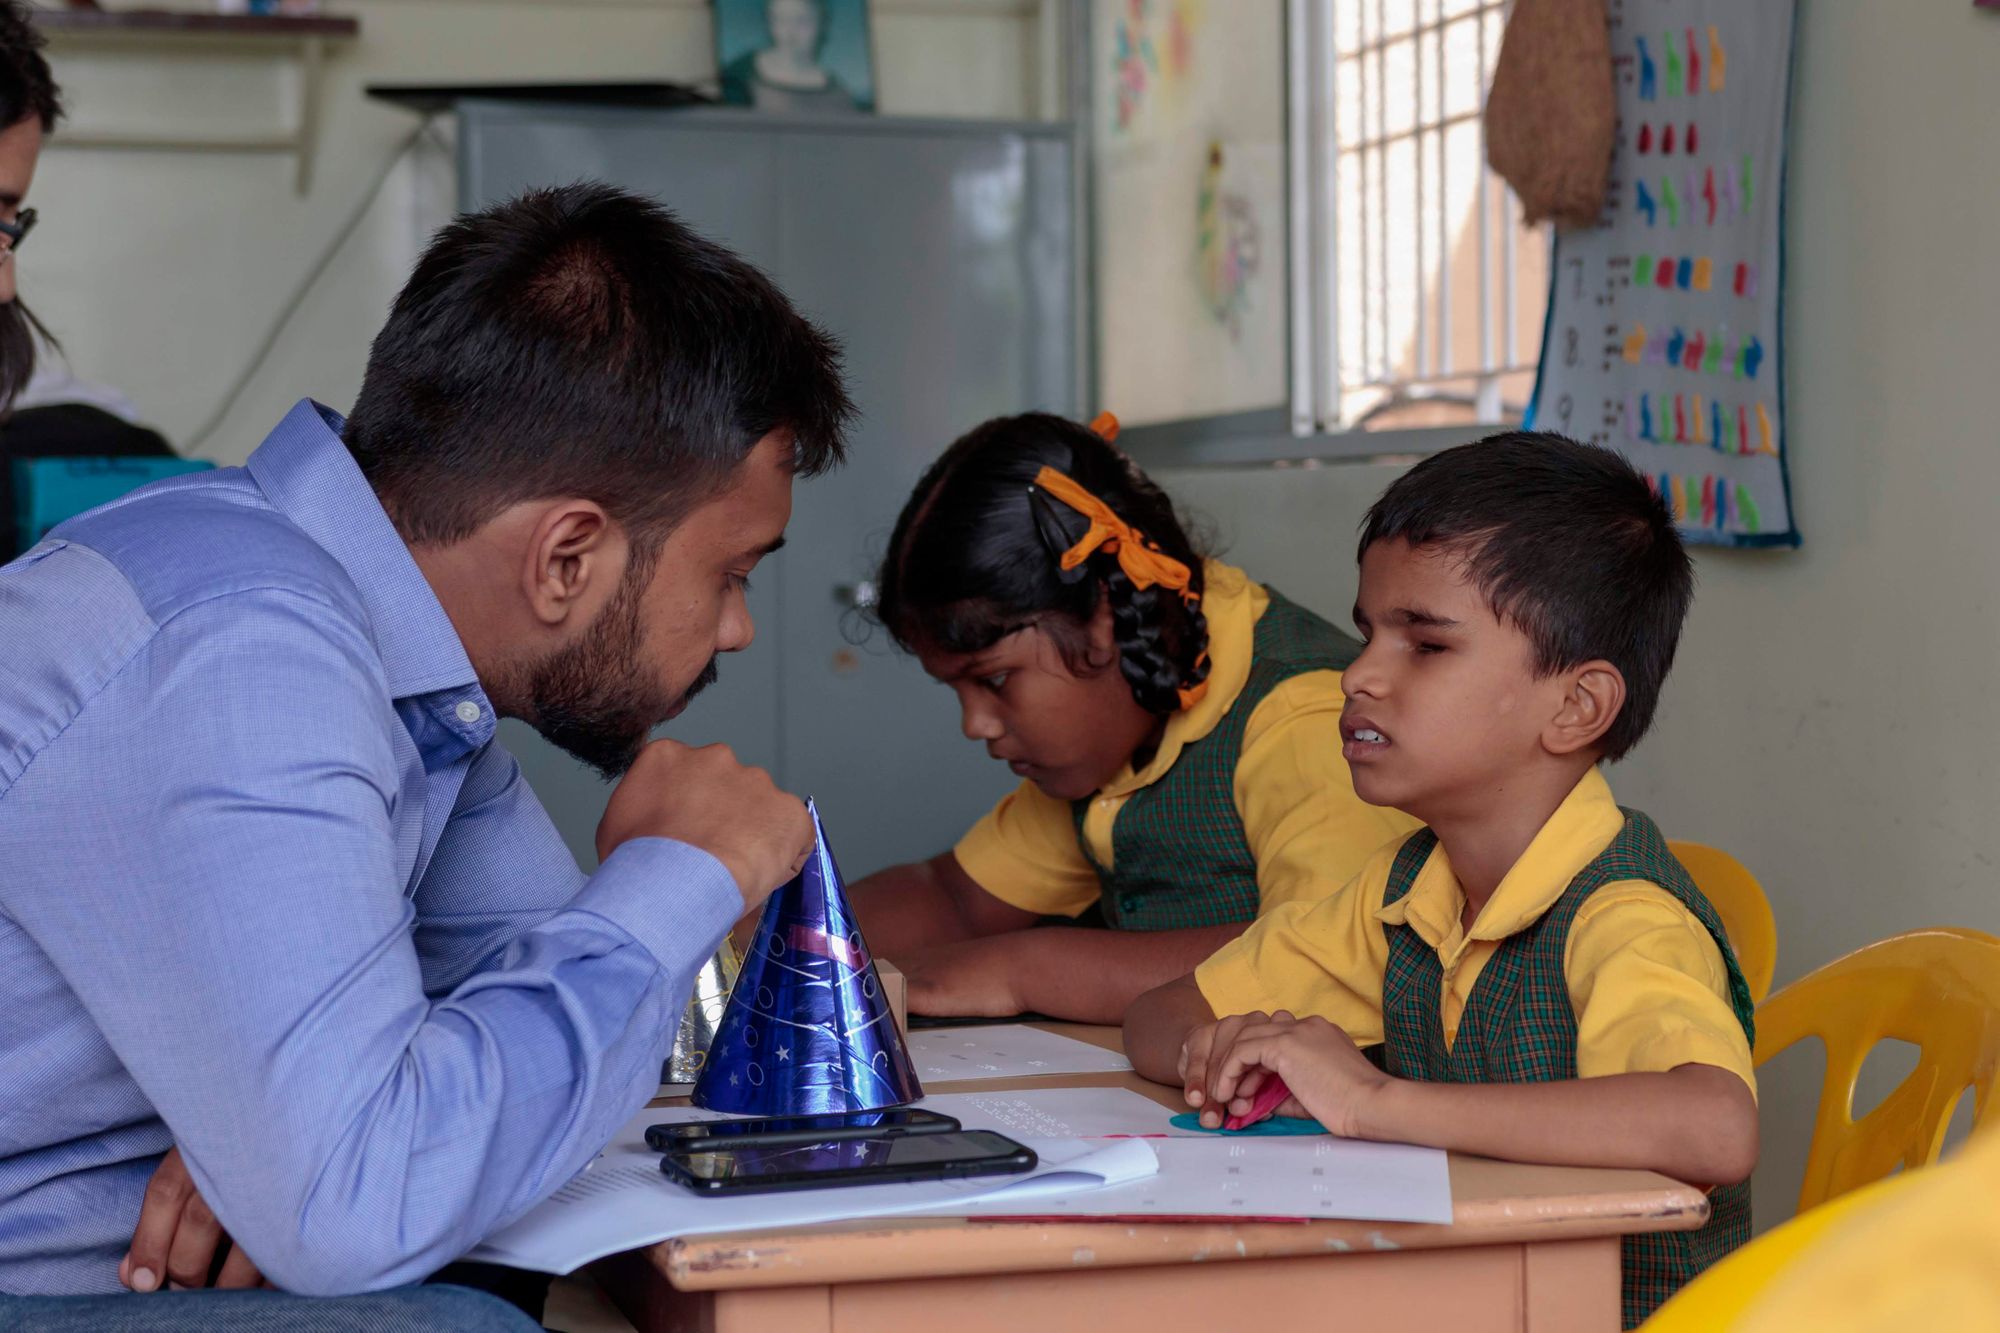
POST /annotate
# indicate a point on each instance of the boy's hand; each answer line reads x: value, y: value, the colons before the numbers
x: 1330, y: 1079
x: 1199, y: 1049
x: 979, y: 978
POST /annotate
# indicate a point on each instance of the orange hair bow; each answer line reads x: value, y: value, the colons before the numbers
x: 1143, y: 561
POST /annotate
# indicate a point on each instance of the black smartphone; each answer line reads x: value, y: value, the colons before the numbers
x: 798, y: 1128
x: 750, y: 1168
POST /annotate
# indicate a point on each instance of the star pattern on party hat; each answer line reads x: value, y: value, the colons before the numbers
x: 807, y: 1028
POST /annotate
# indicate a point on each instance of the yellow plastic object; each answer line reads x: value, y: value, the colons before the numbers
x: 1719, y: 1297
x: 1739, y: 900
x: 1936, y: 989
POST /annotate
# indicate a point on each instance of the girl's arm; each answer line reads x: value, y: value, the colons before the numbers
x: 1696, y: 1122
x: 925, y: 903
x: 1083, y: 975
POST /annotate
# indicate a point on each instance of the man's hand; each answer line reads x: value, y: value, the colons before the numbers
x: 177, y: 1237
x: 1330, y: 1079
x: 704, y: 797
x: 972, y: 979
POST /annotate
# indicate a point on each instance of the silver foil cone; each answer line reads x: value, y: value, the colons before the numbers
x: 702, y: 1016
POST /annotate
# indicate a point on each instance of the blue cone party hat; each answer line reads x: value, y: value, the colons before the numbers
x: 807, y: 1030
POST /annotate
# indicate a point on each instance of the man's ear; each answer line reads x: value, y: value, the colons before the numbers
x: 1593, y: 696
x: 574, y: 549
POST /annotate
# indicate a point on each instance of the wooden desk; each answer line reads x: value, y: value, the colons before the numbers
x: 1529, y: 1248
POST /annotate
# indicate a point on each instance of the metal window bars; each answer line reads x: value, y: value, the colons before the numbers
x: 1397, y: 224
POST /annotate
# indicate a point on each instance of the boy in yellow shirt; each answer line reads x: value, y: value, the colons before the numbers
x: 1543, y: 979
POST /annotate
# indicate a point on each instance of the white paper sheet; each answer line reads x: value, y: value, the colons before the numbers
x: 622, y: 1202
x: 1012, y: 1050
x: 1060, y: 1113
x: 1211, y: 1176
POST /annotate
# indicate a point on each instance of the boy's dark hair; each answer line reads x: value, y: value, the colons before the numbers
x: 1568, y: 542
x: 582, y: 341
x: 974, y: 557
x: 27, y: 92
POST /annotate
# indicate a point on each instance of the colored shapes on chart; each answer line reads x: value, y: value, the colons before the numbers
x: 1642, y: 270
x: 1696, y: 346
x: 1746, y: 280
x: 1670, y: 201
x: 1645, y: 203
x: 1718, y: 61
x: 1694, y: 68
x: 1673, y: 66
x: 1675, y: 345
x: 1663, y: 274
x: 1635, y: 344
x: 1752, y: 359
x: 1708, y: 192
x: 1708, y: 501
x: 1742, y: 429
x: 1713, y: 361
x: 1693, y: 140
x: 1684, y: 273
x: 1667, y: 140
x: 1680, y: 421
x: 1716, y: 435
x: 1646, y: 137
x: 1648, y: 76
x: 1764, y: 444
x: 1746, y: 510
x: 1697, y: 435
x: 1704, y: 274
x: 1645, y: 417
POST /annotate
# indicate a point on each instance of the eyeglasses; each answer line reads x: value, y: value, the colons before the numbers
x: 17, y: 230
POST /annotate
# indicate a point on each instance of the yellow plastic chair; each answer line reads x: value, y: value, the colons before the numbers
x: 1936, y: 989
x: 1719, y: 1297
x: 1739, y: 900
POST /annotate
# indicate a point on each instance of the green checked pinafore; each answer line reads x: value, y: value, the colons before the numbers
x: 1519, y: 1027
x: 1179, y: 853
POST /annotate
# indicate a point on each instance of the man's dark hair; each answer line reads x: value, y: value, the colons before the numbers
x: 27, y: 89
x: 1568, y: 542
x: 27, y: 92
x: 582, y: 341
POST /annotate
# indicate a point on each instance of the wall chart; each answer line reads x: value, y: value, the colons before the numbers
x: 1665, y: 320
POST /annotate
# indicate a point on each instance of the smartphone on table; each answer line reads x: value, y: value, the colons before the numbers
x: 752, y: 1167
x: 782, y: 1129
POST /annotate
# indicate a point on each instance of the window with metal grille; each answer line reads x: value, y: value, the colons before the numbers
x: 1418, y: 295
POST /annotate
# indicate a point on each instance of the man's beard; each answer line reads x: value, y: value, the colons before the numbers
x: 594, y: 698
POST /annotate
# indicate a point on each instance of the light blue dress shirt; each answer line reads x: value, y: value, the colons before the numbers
x: 270, y: 891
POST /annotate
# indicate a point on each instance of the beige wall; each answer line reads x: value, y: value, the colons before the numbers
x: 1833, y: 719
x: 162, y: 271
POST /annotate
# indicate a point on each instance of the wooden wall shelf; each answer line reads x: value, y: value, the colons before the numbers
x: 170, y: 32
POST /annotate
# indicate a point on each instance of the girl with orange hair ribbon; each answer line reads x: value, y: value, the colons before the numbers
x: 1175, y: 726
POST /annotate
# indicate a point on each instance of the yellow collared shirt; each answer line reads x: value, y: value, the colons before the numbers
x: 1646, y: 979
x: 1306, y: 828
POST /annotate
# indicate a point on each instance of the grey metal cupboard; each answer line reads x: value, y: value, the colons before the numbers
x: 942, y: 254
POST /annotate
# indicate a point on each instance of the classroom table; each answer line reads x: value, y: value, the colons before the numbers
x: 1530, y: 1248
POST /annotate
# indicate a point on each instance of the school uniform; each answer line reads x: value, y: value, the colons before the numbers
x: 1245, y: 805
x: 1596, y: 955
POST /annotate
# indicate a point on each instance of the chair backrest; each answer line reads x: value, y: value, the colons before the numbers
x: 1739, y: 900
x: 1937, y: 989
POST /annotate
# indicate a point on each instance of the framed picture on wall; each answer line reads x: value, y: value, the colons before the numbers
x: 810, y: 57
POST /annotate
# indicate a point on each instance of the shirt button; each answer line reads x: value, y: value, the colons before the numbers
x: 468, y: 711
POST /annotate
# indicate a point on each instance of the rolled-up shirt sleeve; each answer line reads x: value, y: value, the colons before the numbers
x: 247, y: 950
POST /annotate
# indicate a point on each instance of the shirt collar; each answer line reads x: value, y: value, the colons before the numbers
x: 1581, y: 827
x: 309, y: 477
x: 1232, y: 604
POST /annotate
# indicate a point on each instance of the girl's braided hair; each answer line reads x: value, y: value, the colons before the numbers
x: 975, y: 557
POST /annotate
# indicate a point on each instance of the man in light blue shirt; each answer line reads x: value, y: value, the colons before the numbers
x: 270, y: 891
